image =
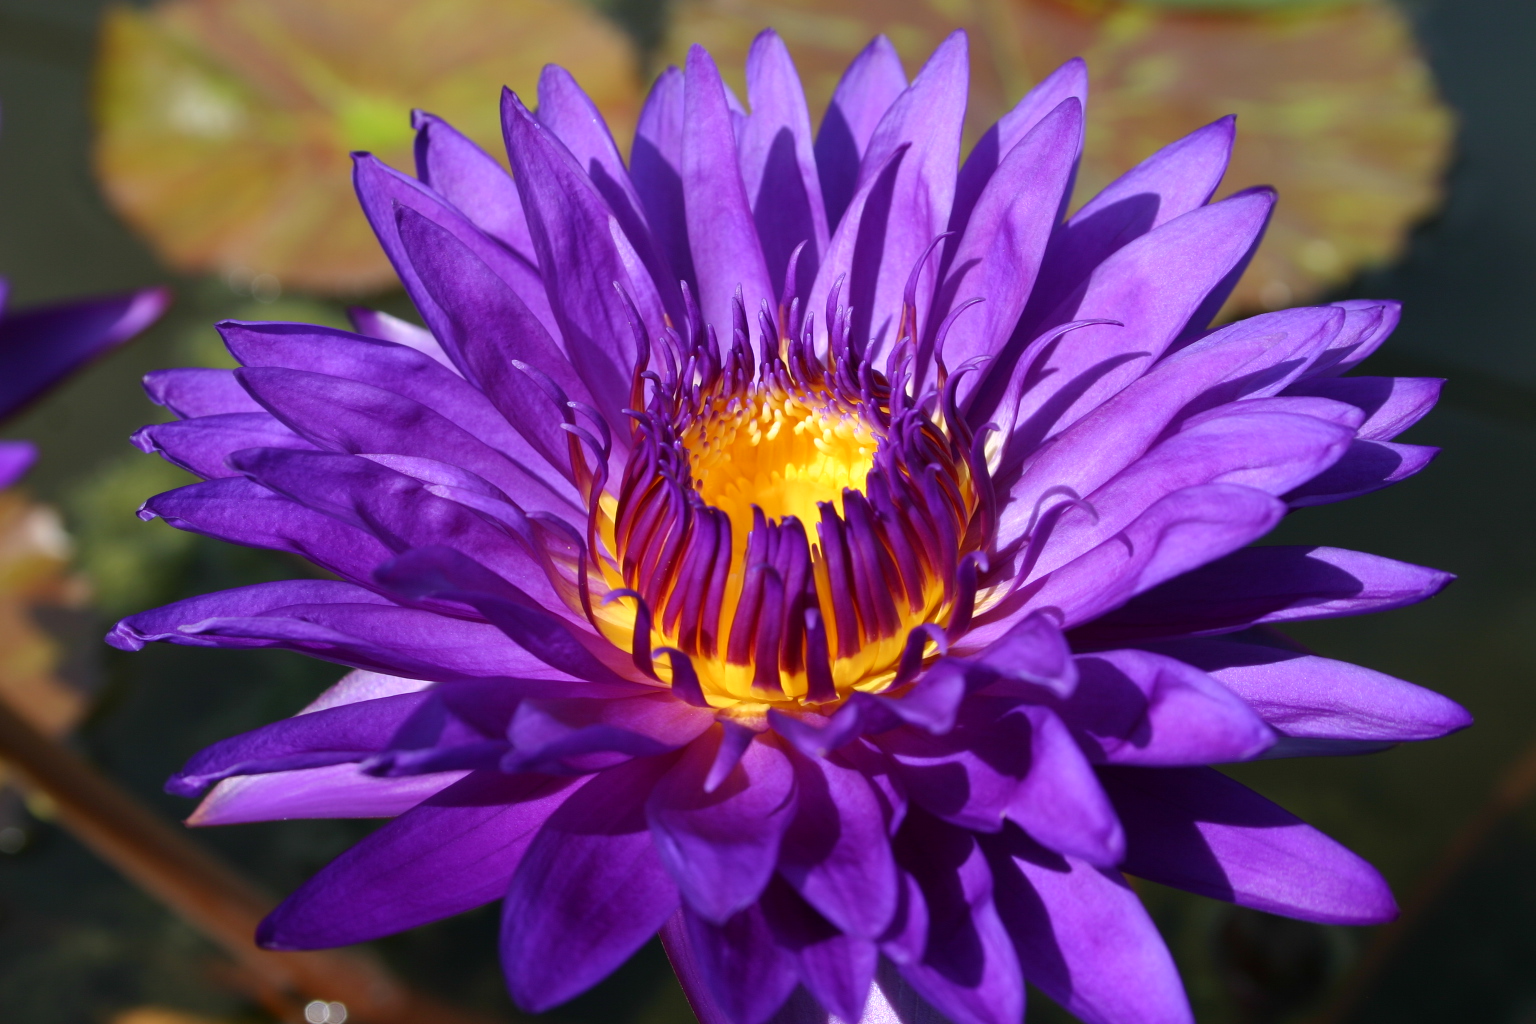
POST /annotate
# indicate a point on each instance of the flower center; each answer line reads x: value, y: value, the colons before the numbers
x: 783, y: 451
x: 790, y: 527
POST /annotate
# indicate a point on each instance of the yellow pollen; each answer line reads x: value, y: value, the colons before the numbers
x: 782, y: 451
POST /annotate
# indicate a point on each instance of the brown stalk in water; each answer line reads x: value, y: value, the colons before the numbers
x: 206, y: 893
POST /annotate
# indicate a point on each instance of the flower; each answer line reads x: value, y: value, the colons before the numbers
x: 803, y: 548
x: 42, y: 346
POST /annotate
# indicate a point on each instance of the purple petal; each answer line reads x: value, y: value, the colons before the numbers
x: 907, y: 938
x: 1155, y: 286
x: 1324, y: 409
x: 933, y: 701
x: 360, y: 685
x: 1391, y: 404
x: 690, y: 972
x: 453, y: 853
x: 778, y: 167
x: 1304, y: 695
x: 1158, y: 286
x: 906, y: 188
x: 721, y: 846
x: 655, y: 168
x: 567, y: 111
x: 132, y: 633
x: 836, y: 852
x: 16, y: 457
x: 340, y: 415
x: 1255, y: 354
x: 198, y: 391
x: 200, y: 446
x: 818, y: 740
x: 1270, y: 584
x: 338, y: 622
x: 1196, y: 829
x: 571, y: 116
x: 866, y: 91
x: 1186, y: 529
x: 457, y: 169
x: 1083, y: 937
x: 1170, y: 183
x: 582, y: 255
x: 746, y: 971
x: 561, y: 644
x: 890, y: 1000
x: 1070, y: 81
x: 999, y: 255
x: 721, y: 232
x: 1030, y: 656
x: 969, y: 971
x: 1134, y: 707
x: 403, y: 513
x: 969, y: 775
x: 1269, y: 452
x: 1369, y: 323
x: 244, y: 512
x: 333, y: 736
x: 382, y: 189
x: 577, y: 735
x: 335, y: 791
x: 836, y: 969
x: 40, y: 346
x: 1060, y: 803
x: 700, y: 971
x: 876, y: 767
x: 492, y: 332
x: 393, y: 368
x: 589, y: 892
x: 1365, y: 467
x: 371, y: 323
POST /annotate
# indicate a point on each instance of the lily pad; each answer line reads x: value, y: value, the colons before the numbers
x: 224, y: 126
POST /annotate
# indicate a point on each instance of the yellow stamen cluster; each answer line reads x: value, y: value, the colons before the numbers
x: 782, y: 451
x: 785, y: 451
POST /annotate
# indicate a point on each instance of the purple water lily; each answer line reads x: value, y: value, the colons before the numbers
x: 829, y: 558
x: 43, y: 345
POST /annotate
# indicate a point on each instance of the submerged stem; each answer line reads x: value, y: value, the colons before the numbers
x: 206, y: 893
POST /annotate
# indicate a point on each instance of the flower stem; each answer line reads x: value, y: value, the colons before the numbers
x: 205, y: 892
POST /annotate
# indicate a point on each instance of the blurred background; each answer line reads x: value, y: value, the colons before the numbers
x: 203, y: 143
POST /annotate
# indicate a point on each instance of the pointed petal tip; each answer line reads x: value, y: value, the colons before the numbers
x: 180, y: 785
x: 1268, y: 195
x: 512, y: 102
x: 147, y: 306
x: 271, y: 935
x: 124, y: 637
